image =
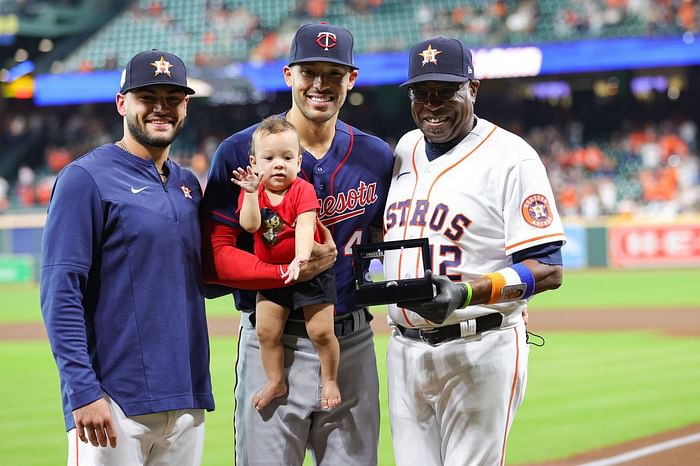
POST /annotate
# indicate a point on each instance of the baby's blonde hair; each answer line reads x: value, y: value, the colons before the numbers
x: 272, y: 125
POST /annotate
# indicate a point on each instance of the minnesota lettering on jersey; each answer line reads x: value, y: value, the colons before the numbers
x: 348, y: 204
x: 437, y: 217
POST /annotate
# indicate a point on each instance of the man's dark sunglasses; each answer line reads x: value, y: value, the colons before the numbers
x: 442, y: 94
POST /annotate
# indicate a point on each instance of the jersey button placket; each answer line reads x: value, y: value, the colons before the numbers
x: 320, y: 184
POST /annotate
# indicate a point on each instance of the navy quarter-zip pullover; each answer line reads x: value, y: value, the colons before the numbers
x: 121, y: 290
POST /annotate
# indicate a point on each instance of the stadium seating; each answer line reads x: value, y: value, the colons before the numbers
x: 218, y: 32
x: 209, y: 35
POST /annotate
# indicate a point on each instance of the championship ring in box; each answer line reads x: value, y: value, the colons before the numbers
x: 371, y: 286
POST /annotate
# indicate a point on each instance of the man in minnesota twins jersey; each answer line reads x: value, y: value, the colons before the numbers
x: 480, y: 194
x: 350, y: 171
x: 121, y: 289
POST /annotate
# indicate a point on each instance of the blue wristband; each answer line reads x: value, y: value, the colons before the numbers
x: 526, y: 277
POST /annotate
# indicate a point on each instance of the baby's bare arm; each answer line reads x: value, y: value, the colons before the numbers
x: 303, y: 244
x: 248, y: 181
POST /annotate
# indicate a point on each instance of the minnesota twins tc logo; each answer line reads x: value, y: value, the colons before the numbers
x: 430, y: 55
x: 326, y: 40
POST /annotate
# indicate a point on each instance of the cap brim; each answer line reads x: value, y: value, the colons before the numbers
x: 188, y: 90
x: 322, y: 59
x: 450, y: 78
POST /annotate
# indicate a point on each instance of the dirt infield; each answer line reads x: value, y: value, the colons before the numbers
x: 677, y: 322
x: 682, y: 455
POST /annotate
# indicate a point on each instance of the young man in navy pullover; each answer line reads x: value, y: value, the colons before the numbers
x: 121, y: 291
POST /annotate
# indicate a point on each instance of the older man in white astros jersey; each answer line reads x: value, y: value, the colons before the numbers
x: 480, y: 194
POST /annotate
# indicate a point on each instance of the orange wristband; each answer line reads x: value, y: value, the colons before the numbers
x: 498, y: 281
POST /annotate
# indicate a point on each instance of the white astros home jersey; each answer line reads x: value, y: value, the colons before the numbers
x: 485, y: 199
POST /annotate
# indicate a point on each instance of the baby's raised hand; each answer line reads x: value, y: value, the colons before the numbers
x: 246, y: 178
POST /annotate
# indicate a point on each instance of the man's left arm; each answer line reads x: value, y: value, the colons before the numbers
x: 539, y: 269
x: 535, y: 269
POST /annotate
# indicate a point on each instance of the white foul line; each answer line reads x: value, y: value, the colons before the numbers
x: 646, y: 451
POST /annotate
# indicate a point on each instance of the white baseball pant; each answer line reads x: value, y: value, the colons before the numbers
x: 453, y: 404
x: 159, y: 439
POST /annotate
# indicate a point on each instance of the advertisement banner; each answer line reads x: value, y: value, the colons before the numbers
x: 655, y: 245
x: 16, y: 268
x: 573, y: 253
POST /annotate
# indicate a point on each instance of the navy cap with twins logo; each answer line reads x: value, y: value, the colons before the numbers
x: 439, y: 59
x: 154, y: 67
x: 322, y: 42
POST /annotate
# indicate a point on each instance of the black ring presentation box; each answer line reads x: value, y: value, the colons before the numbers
x: 369, y: 292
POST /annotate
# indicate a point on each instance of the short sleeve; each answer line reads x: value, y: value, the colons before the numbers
x: 530, y: 213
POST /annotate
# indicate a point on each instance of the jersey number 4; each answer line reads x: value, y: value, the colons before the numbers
x: 354, y: 239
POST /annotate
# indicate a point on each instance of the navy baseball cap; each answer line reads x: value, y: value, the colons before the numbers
x: 154, y: 67
x: 322, y: 42
x: 439, y: 59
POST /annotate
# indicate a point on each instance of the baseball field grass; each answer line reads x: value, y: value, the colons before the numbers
x: 597, y: 290
x: 585, y: 390
x: 584, y: 289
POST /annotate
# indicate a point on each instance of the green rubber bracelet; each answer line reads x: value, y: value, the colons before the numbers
x: 468, y: 300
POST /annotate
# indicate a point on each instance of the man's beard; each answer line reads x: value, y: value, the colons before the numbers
x: 142, y: 137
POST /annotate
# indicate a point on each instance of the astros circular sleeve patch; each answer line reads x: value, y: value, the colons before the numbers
x: 536, y: 211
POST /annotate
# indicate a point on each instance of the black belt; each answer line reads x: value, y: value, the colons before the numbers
x: 342, y: 326
x: 451, y: 332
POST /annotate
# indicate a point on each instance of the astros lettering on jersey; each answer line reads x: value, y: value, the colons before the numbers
x: 473, y: 205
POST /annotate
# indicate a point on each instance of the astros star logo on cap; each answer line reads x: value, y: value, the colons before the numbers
x: 430, y: 55
x: 161, y: 66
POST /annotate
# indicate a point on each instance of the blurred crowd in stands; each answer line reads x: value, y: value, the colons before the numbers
x: 243, y: 27
x: 496, y: 22
x: 646, y: 169
x: 265, y: 42
x: 640, y: 167
x: 55, y: 139
x: 478, y: 23
x: 650, y: 168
